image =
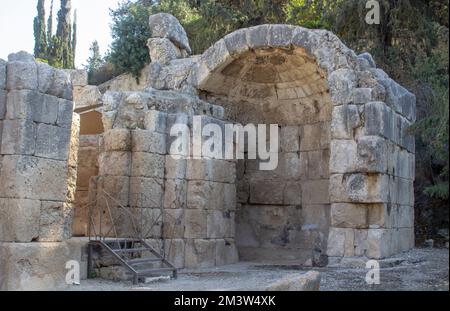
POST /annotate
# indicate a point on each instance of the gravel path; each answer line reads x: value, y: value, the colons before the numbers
x: 418, y: 269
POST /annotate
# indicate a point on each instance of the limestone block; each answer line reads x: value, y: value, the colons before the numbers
x: 343, y: 156
x: 345, y: 120
x: 33, y: 178
x: 19, y: 220
x: 368, y: 57
x: 257, y: 36
x: 362, y: 95
x: 34, y: 266
x: 281, y: 36
x: 162, y: 50
x: 236, y: 42
x: 340, y: 242
x: 65, y: 113
x: 175, y: 167
x: 174, y: 223
x: 216, y: 224
x: 155, y: 121
x: 115, y: 163
x: 318, y: 163
x: 2, y: 74
x: 55, y: 223
x: 61, y: 85
x: 79, y: 77
x: 404, y: 216
x: 226, y: 252
x: 380, y: 243
x: 45, y: 75
x: 2, y: 104
x: 18, y: 137
x: 403, y: 239
x: 359, y: 188
x: 217, y: 55
x: 205, y: 195
x: 21, y: 75
x: 21, y: 56
x: 175, y: 193
x: 372, y: 154
x: 147, y: 165
x: 292, y: 193
x: 175, y: 250
x: 315, y: 191
x: 346, y: 215
x: 315, y: 136
x: 266, y: 192
x: 117, y: 140
x: 229, y: 197
x: 290, y: 139
x: 200, y: 253
x: 341, y: 83
x: 195, y: 223
x: 148, y: 141
x: 378, y: 120
x: 164, y: 25
x: 211, y: 169
x: 86, y: 96
x: 146, y: 192
x: 310, y: 281
x: 113, y: 191
x: 52, y: 142
x: 137, y: 221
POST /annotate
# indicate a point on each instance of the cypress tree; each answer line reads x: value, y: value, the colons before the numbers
x: 50, y: 27
x: 64, y: 53
x: 40, y: 37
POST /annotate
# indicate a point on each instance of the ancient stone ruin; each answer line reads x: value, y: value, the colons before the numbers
x: 79, y: 160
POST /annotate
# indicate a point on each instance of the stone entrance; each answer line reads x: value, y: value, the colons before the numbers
x: 343, y: 186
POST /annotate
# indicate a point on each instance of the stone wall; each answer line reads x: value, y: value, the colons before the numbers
x: 37, y: 171
x: 186, y: 206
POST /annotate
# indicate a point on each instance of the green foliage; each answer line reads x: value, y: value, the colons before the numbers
x: 57, y: 50
x: 95, y: 61
x: 130, y: 32
x: 40, y: 36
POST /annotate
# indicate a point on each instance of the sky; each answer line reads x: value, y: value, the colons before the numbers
x: 16, y: 25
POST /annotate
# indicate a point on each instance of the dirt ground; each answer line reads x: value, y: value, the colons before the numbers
x: 422, y: 269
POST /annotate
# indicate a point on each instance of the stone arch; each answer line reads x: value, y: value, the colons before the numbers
x: 308, y: 79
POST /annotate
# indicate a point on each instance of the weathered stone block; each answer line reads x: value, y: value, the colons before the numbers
x: 174, y: 223
x: 164, y: 25
x: 281, y: 35
x: 211, y: 169
x: 148, y: 141
x: 86, y: 96
x: 61, y: 85
x: 257, y: 37
x: 155, y: 121
x: 175, y: 167
x: 52, y: 142
x: 216, y: 224
x: 2, y: 74
x: 175, y: 193
x: 341, y: 83
x: 65, y: 113
x: 195, y: 223
x: 290, y: 139
x: 19, y: 220
x: 115, y: 163
x: 226, y: 252
x: 379, y: 243
x: 55, y: 223
x: 378, y: 120
x: 200, y: 253
x: 345, y: 120
x: 346, y: 215
x: 2, y: 104
x: 340, y: 242
x: 236, y: 41
x: 359, y: 188
x: 266, y: 192
x: 113, y: 191
x: 343, y: 156
x: 292, y: 193
x: 315, y: 191
x: 162, y: 50
x: 117, y: 140
x: 309, y: 281
x: 21, y: 75
x: 146, y: 192
x: 175, y: 250
x: 33, y: 178
x: 205, y: 195
x: 79, y: 77
x: 147, y: 165
x: 18, y: 137
x: 35, y: 266
x: 372, y: 154
x: 315, y: 136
